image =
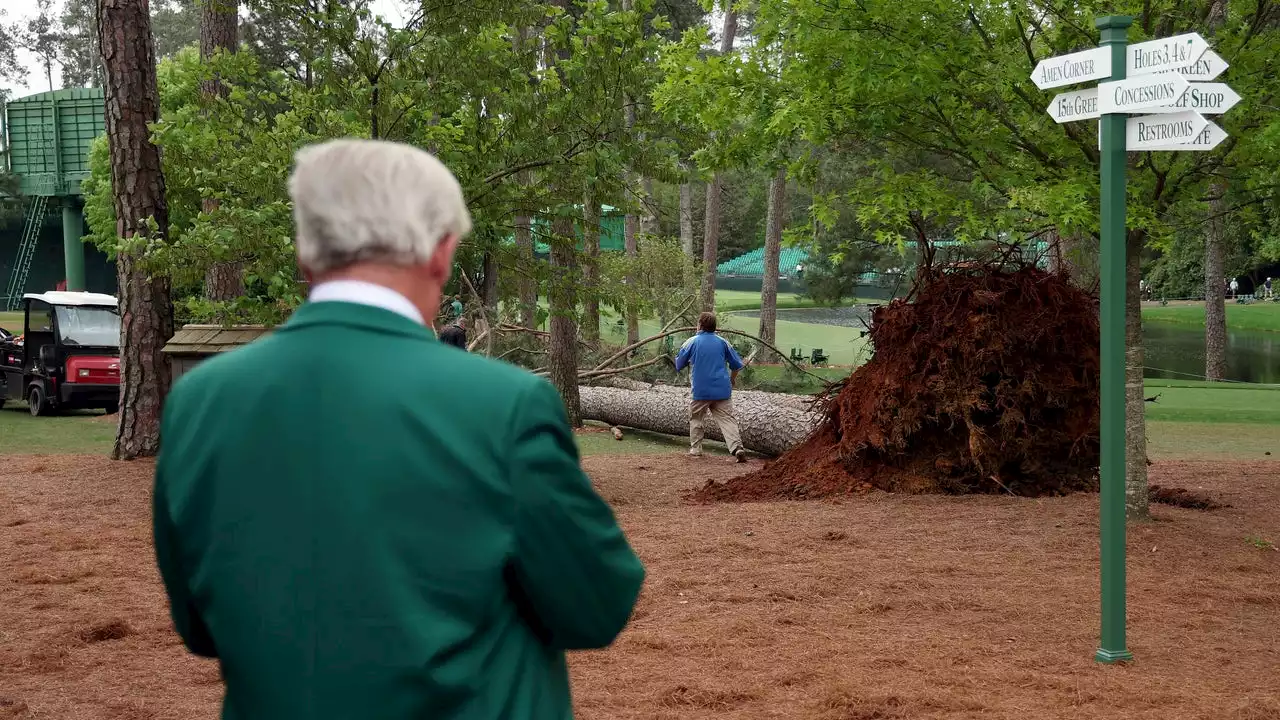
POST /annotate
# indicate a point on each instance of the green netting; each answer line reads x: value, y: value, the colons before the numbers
x: 751, y: 264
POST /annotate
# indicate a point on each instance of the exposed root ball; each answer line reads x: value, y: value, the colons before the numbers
x: 986, y: 382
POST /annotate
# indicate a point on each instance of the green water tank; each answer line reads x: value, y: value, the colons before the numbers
x: 48, y: 137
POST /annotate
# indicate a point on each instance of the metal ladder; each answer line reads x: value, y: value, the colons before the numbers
x: 26, y: 251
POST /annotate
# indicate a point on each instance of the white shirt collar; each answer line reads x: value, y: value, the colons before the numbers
x: 365, y: 293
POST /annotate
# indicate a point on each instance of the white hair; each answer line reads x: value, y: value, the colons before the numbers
x: 363, y: 200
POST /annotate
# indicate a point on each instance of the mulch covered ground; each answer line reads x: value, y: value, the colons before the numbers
x: 874, y: 607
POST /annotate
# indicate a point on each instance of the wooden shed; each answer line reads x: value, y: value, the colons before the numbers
x: 194, y: 343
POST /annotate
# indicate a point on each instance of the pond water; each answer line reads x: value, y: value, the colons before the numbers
x: 1174, y: 352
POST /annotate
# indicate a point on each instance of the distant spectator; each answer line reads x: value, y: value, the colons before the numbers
x: 1267, y: 290
x: 715, y: 371
x: 455, y: 334
x: 1235, y: 287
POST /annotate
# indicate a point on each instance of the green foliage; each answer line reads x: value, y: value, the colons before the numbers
x: 663, y: 280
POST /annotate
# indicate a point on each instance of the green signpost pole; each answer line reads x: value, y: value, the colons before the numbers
x: 1115, y: 35
x: 72, y: 245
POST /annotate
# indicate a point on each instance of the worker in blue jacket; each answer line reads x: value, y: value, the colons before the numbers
x: 715, y: 371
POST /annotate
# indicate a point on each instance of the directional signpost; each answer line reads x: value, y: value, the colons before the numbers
x: 1141, y: 94
x: 1166, y: 83
x: 1072, y: 69
x: 1208, y: 67
x: 1206, y: 98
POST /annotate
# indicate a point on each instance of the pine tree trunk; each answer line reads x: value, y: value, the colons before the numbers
x: 1215, y: 304
x: 489, y: 285
x: 137, y: 181
x: 591, y: 268
x: 711, y: 243
x: 219, y: 23
x: 767, y: 427
x: 563, y: 345
x: 529, y: 266
x: 630, y: 226
x: 1136, y: 491
x: 772, y: 253
x: 686, y: 219
x: 649, y: 216
x: 711, y: 224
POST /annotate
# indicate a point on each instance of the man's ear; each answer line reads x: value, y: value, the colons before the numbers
x: 441, y: 263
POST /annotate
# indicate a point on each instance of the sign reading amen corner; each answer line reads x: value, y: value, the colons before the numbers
x: 1073, y: 69
x: 1158, y: 84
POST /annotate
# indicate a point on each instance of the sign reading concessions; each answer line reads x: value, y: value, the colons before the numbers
x: 1154, y: 132
x: 1169, y: 53
x: 1206, y: 99
x: 1141, y: 93
x: 1073, y: 69
x: 1072, y: 106
x: 1208, y: 139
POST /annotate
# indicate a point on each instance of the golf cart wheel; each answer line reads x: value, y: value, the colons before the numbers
x: 37, y: 402
x: 112, y: 409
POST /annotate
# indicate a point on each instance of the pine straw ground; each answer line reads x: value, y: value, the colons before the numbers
x: 876, y: 607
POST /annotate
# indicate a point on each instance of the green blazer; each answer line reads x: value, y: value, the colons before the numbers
x: 362, y: 523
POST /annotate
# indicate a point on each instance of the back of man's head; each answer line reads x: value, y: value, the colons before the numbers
x: 372, y: 201
x: 707, y: 322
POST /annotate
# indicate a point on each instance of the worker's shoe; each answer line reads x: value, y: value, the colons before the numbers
x: 695, y: 452
x: 740, y: 455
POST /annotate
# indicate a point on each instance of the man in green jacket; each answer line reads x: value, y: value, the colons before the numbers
x: 361, y: 523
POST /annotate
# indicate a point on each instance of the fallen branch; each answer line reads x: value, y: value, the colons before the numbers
x: 484, y: 316
x: 626, y: 350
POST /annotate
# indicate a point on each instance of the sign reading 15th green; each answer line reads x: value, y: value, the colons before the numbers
x: 1166, y: 80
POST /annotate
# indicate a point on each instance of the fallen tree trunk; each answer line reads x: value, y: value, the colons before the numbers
x: 793, y: 402
x: 768, y: 427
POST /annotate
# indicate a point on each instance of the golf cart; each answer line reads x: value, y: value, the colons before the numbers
x: 68, y: 355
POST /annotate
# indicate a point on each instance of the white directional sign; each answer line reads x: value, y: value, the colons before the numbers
x: 1073, y: 69
x: 1071, y: 106
x: 1204, y: 98
x: 1207, y: 68
x: 1208, y: 139
x: 1168, y: 53
x: 1141, y: 93
x: 1155, y: 132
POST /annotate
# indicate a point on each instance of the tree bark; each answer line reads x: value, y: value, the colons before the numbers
x: 772, y: 253
x: 1136, y: 491
x: 686, y: 219
x: 649, y: 216
x: 489, y: 283
x: 711, y: 243
x: 767, y: 427
x: 630, y: 226
x: 563, y: 343
x: 137, y: 181
x: 1215, y: 304
x: 529, y: 277
x: 591, y: 268
x: 219, y: 23
x: 711, y: 229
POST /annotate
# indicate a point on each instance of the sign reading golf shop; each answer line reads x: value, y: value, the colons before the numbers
x: 1151, y: 80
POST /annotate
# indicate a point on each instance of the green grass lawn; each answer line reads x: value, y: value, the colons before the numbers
x: 1190, y: 421
x: 11, y: 321
x: 1264, y: 316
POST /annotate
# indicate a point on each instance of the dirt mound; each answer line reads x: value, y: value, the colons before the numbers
x: 1184, y: 498
x: 986, y: 381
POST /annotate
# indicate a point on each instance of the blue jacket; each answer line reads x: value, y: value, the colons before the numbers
x: 709, y: 353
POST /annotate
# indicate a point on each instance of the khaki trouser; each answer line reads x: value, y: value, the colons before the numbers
x: 722, y: 412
